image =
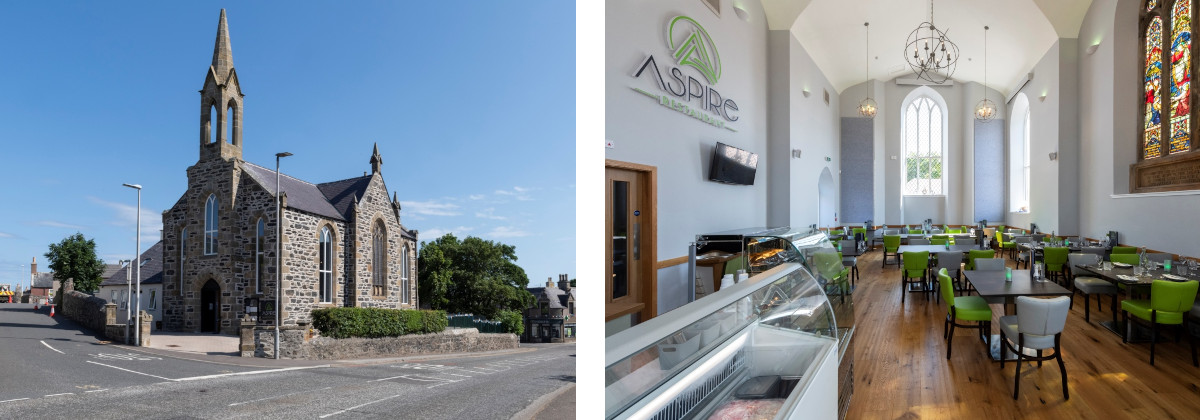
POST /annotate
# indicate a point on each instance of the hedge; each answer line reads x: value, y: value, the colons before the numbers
x: 377, y: 322
x: 512, y: 321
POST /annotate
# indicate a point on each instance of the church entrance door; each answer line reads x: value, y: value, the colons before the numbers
x: 209, y: 304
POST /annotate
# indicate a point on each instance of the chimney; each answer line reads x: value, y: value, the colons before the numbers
x: 563, y: 283
x: 549, y: 282
x: 33, y: 267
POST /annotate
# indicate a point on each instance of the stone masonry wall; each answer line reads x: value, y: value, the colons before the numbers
x: 299, y: 343
x: 376, y: 207
x: 301, y: 291
x: 85, y: 309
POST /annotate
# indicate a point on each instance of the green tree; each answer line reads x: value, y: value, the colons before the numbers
x: 471, y: 276
x: 75, y: 258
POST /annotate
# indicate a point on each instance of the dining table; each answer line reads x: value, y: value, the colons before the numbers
x: 995, y: 284
x: 1124, y: 274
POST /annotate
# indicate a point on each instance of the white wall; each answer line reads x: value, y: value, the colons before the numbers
x: 1108, y: 108
x: 815, y: 129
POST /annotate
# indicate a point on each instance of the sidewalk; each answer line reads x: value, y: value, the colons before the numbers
x: 559, y: 404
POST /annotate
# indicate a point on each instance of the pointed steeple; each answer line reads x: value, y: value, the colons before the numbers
x: 376, y: 160
x: 222, y: 51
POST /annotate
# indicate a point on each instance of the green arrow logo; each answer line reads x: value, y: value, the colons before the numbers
x: 694, y: 47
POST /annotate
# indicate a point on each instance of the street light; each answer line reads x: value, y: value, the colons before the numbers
x: 128, y: 286
x: 278, y: 248
x: 137, y: 332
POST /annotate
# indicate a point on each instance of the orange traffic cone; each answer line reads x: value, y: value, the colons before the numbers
x: 35, y: 306
x: 52, y: 312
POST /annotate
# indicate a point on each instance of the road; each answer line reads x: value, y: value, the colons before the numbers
x: 50, y: 368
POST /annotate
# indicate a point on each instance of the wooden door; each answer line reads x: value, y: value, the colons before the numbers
x: 629, y: 225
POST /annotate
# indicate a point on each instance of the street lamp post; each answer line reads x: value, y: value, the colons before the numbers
x: 128, y: 289
x: 137, y: 332
x: 278, y: 248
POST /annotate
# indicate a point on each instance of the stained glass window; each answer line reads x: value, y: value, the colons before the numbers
x: 1151, y: 4
x: 1181, y: 59
x: 1153, y: 82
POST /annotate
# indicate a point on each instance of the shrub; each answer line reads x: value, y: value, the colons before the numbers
x: 377, y: 322
x: 512, y: 322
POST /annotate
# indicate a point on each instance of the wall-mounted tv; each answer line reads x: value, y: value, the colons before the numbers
x: 732, y: 165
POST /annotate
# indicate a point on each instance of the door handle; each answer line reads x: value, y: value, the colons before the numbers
x: 637, y: 243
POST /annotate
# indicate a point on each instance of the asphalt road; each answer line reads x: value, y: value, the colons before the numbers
x: 96, y: 380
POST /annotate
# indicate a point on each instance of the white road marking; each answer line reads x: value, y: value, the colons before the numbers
x: 17, y: 399
x: 131, y: 371
x: 455, y: 374
x: 360, y: 406
x: 278, y: 396
x: 51, y: 348
x: 128, y: 356
x: 253, y: 372
x: 55, y: 395
x: 97, y: 390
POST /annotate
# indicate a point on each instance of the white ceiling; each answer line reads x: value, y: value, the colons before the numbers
x: 1021, y: 33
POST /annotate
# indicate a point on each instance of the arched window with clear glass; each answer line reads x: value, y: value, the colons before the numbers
x: 379, y: 260
x: 1166, y: 41
x: 923, y: 144
x: 211, y: 216
x: 325, y: 272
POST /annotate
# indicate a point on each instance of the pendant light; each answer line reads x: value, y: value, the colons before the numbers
x: 868, y: 107
x: 985, y: 110
x: 934, y: 57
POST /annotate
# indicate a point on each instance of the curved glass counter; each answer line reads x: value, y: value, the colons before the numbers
x: 768, y: 344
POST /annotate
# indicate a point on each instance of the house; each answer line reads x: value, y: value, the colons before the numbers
x: 115, y: 287
x: 551, y: 319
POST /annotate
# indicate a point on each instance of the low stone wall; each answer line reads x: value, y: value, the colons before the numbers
x: 302, y: 343
x: 85, y: 309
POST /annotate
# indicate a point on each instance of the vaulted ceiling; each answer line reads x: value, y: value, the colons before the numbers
x: 1021, y: 32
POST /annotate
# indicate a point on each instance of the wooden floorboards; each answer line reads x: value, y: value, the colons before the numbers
x: 901, y: 371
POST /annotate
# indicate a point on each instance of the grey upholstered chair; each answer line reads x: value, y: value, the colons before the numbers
x: 1090, y: 285
x: 1038, y: 325
x: 1023, y: 256
x: 952, y: 262
x: 1159, y: 257
x: 989, y: 264
x: 918, y: 241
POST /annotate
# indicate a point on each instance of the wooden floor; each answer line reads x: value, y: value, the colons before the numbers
x: 901, y: 371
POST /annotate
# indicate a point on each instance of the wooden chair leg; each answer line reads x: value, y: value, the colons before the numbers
x: 950, y: 339
x: 1061, y: 367
x: 1087, y: 307
x: 1003, y: 348
x: 1020, y: 355
x: 1153, y: 334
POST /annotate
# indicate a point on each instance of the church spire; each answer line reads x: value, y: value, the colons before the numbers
x: 376, y: 160
x: 222, y: 52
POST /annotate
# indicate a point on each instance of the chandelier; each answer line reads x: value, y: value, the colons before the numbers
x: 868, y: 107
x: 985, y: 110
x: 933, y: 56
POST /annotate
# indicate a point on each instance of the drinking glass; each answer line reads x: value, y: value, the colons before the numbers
x: 1137, y: 270
x: 1107, y: 265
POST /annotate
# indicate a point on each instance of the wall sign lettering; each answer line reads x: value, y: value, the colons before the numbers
x: 693, y: 50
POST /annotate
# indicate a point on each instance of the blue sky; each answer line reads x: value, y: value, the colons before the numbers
x: 473, y: 109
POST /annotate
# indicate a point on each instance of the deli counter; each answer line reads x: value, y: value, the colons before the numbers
x: 766, y: 347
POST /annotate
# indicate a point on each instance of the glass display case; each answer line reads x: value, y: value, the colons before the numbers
x: 766, y: 347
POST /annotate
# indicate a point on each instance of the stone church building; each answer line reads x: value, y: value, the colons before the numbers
x: 343, y: 243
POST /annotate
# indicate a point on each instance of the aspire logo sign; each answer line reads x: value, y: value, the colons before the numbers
x: 691, y: 47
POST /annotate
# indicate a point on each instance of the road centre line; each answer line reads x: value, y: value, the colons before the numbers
x: 97, y: 390
x: 55, y: 395
x: 15, y: 399
x: 51, y: 348
x: 359, y: 406
x: 253, y: 372
x: 278, y: 396
x: 130, y: 371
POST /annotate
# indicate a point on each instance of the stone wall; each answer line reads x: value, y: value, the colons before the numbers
x: 301, y: 343
x: 85, y: 309
x: 375, y: 207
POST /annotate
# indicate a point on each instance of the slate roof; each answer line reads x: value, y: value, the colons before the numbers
x: 301, y: 195
x: 556, y: 296
x: 152, y: 268
x: 43, y: 280
x: 109, y: 270
x: 342, y: 194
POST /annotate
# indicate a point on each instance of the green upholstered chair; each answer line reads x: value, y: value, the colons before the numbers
x: 978, y: 253
x: 963, y: 308
x: 939, y: 241
x: 1006, y: 244
x: 916, y: 231
x: 1169, y: 304
x: 732, y: 266
x: 1056, y: 263
x: 954, y: 230
x: 891, y: 247
x: 1124, y: 250
x: 915, y: 271
x: 828, y: 265
x: 1038, y: 325
x: 1131, y: 259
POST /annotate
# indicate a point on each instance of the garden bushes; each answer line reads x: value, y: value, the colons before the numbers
x: 377, y: 322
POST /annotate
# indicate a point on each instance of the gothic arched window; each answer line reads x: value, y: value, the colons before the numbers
x: 924, y: 137
x: 404, y: 292
x: 325, y: 272
x: 1166, y: 39
x: 379, y: 260
x: 259, y: 249
x: 182, y: 256
x: 210, y: 224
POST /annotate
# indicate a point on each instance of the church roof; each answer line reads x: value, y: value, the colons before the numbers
x: 152, y: 268
x: 222, y: 60
x: 301, y: 195
x: 342, y: 194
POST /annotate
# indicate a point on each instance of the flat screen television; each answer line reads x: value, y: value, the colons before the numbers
x: 731, y: 165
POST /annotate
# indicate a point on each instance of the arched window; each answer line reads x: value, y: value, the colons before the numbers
x: 404, y: 293
x: 182, y: 256
x: 379, y: 260
x: 1018, y: 155
x: 210, y: 225
x: 325, y: 273
x: 1166, y: 38
x: 213, y: 119
x: 924, y: 139
x: 259, y: 249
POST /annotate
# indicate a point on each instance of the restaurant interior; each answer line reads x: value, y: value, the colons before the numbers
x: 901, y: 209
